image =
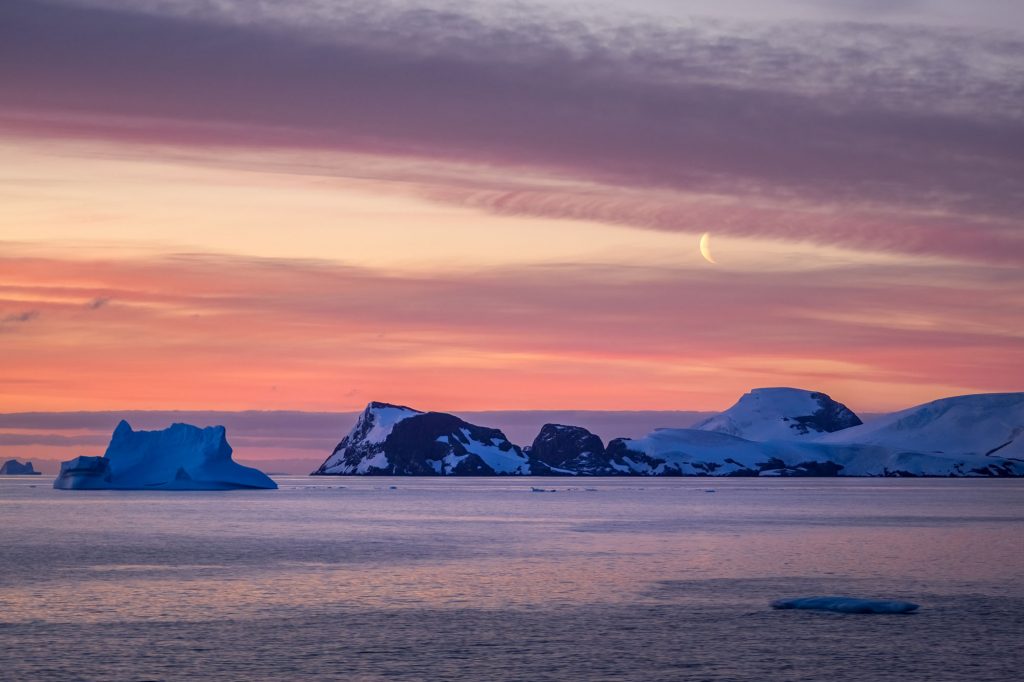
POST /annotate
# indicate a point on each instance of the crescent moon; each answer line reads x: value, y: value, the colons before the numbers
x: 705, y: 247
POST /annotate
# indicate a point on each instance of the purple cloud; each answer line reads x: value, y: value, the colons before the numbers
x: 898, y: 129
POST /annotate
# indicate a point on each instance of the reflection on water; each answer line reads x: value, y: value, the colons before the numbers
x: 484, y: 579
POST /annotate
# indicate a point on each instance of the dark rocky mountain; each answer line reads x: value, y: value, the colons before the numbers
x: 400, y: 441
x: 560, y: 450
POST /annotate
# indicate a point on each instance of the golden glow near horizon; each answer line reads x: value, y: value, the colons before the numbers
x: 88, y: 200
x: 170, y: 282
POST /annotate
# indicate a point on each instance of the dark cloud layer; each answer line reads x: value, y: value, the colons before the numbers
x: 314, y: 431
x: 18, y: 318
x: 891, y: 129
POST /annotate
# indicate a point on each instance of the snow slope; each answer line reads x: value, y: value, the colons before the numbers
x: 691, y: 452
x: 990, y: 423
x: 361, y: 451
x: 781, y: 414
x: 181, y: 457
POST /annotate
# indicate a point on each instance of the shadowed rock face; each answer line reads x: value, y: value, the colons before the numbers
x: 568, y: 450
x: 452, y: 445
x: 13, y: 467
x: 830, y: 417
x: 399, y: 441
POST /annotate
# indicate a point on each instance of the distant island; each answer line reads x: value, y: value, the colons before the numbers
x: 768, y: 432
x: 13, y: 467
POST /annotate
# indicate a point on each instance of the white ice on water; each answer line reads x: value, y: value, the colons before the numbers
x: 846, y: 605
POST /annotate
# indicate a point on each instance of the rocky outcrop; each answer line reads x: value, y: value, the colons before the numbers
x: 399, y: 441
x: 560, y: 450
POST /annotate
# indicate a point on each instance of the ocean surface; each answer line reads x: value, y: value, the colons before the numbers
x: 484, y: 579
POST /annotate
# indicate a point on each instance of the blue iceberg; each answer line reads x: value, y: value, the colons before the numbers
x: 181, y: 457
x: 846, y: 605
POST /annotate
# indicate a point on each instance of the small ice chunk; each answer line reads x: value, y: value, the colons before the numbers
x: 846, y: 605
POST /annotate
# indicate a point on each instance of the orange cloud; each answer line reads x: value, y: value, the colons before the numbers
x: 222, y: 332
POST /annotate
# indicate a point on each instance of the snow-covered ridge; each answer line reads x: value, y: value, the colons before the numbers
x: 180, y: 457
x: 984, y: 424
x: 781, y: 414
x: 690, y: 452
x: 768, y: 432
x: 380, y: 418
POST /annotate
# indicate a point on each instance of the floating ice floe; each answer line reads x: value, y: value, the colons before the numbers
x: 846, y: 605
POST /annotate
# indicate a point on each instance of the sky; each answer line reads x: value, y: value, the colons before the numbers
x: 307, y: 205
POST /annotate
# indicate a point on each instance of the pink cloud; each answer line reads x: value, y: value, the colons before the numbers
x: 224, y: 332
x: 911, y: 145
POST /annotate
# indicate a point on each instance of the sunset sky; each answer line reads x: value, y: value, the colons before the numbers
x: 307, y: 205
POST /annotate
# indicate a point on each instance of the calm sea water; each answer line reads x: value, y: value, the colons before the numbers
x: 483, y: 579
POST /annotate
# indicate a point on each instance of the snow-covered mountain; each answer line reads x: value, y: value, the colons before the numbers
x: 781, y: 414
x: 974, y: 435
x: 985, y: 424
x: 400, y: 441
x: 769, y: 432
x: 181, y: 457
